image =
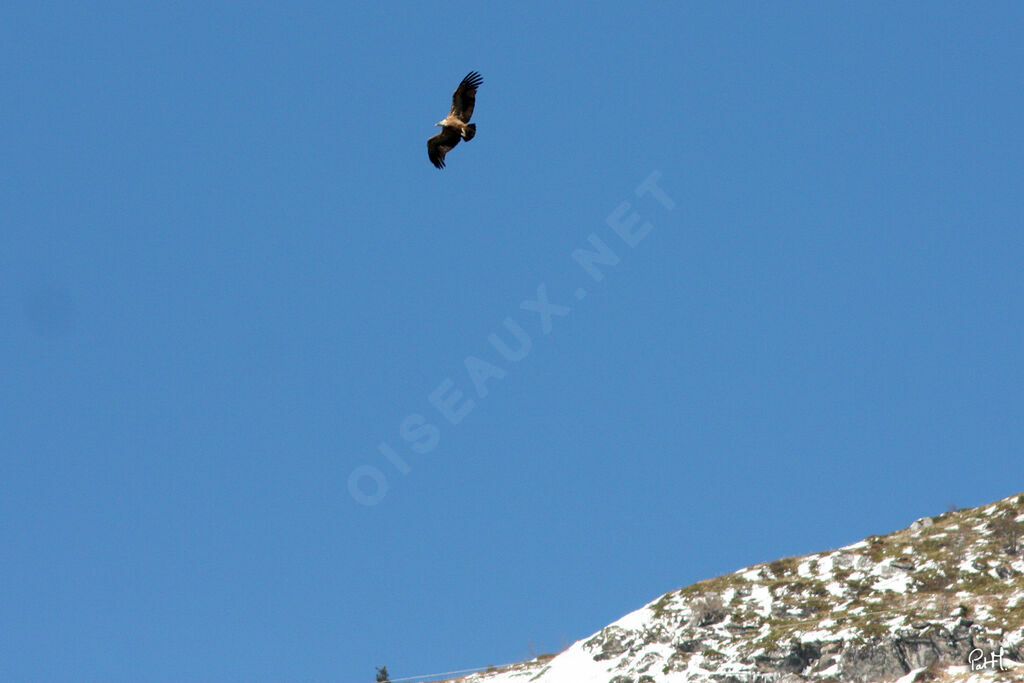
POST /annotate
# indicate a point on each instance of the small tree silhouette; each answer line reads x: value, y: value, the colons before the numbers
x: 1009, y: 531
x: 382, y: 674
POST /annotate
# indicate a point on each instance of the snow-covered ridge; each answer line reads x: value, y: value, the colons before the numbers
x: 919, y: 604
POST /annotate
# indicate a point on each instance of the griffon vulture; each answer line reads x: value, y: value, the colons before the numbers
x: 456, y: 125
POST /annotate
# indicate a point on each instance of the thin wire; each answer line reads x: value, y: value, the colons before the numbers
x: 449, y: 673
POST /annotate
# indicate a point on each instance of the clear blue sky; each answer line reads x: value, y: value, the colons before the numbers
x: 228, y: 273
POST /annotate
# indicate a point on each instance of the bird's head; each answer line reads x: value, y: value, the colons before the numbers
x: 440, y: 123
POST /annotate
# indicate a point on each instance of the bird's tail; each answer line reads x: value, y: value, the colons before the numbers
x: 470, y: 132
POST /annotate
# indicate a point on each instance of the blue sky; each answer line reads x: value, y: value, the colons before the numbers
x: 228, y: 273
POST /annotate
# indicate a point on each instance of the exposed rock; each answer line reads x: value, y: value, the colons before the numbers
x: 870, y: 663
x: 793, y: 659
x: 871, y: 612
x: 610, y: 642
x: 687, y: 646
x: 647, y: 661
x: 922, y: 523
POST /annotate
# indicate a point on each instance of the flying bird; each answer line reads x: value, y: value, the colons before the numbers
x: 456, y: 125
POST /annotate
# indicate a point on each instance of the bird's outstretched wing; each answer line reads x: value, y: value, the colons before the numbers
x: 464, y: 97
x: 441, y: 144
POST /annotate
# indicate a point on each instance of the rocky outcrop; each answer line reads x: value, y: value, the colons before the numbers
x: 922, y: 598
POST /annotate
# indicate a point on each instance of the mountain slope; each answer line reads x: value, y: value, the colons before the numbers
x: 914, y: 605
